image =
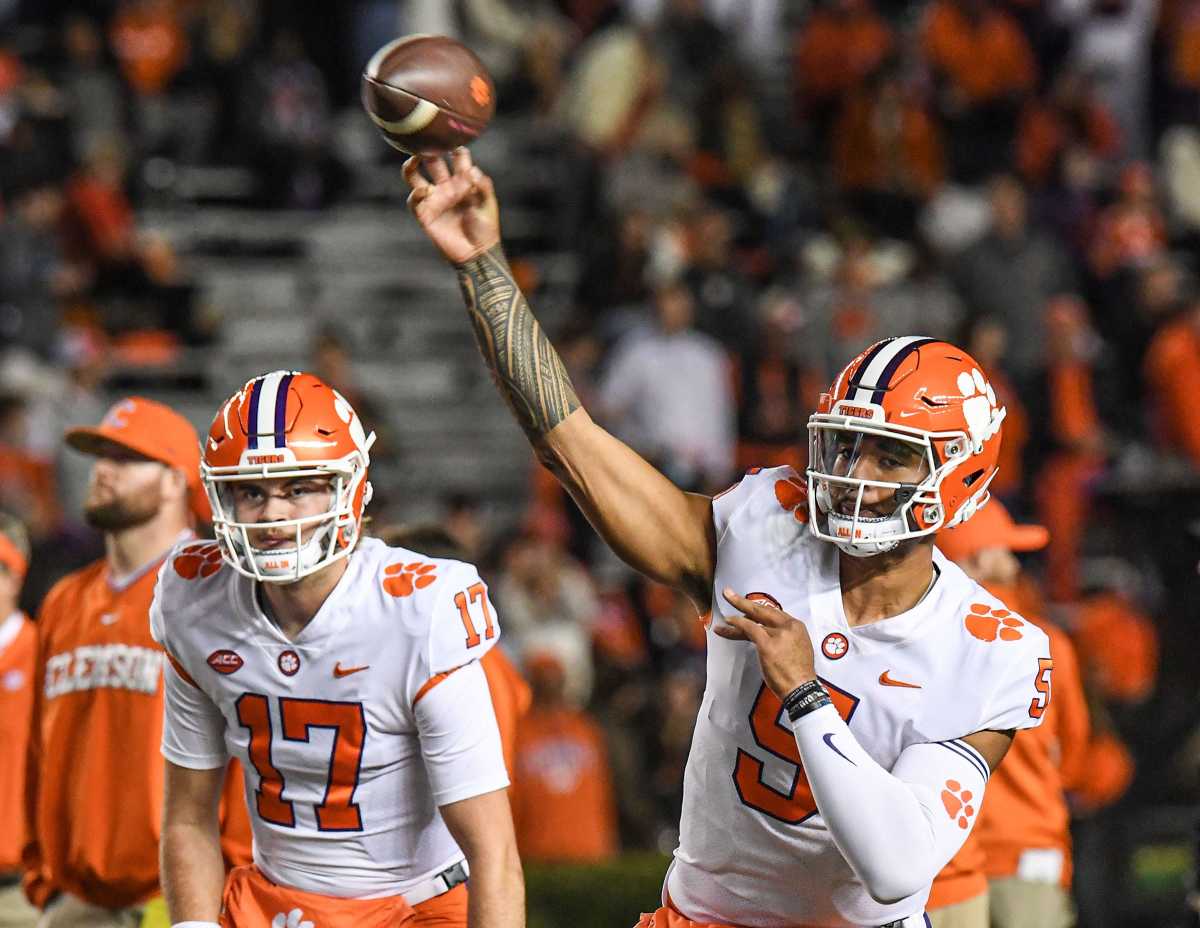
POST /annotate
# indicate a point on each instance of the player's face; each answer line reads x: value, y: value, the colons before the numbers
x: 281, y: 500
x: 10, y: 588
x: 871, y: 457
x: 126, y: 490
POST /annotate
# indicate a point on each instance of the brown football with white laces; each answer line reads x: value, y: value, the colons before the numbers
x: 428, y: 94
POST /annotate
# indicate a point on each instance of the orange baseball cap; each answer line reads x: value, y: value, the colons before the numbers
x: 153, y: 430
x: 990, y: 527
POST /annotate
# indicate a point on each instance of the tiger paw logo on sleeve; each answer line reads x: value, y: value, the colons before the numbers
x: 988, y: 624
x: 958, y: 803
x: 201, y: 560
x: 793, y: 496
x: 402, y: 579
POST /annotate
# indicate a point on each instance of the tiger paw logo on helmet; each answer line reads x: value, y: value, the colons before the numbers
x: 293, y: 919
x: 988, y: 624
x: 979, y: 406
x: 201, y: 560
x: 402, y: 579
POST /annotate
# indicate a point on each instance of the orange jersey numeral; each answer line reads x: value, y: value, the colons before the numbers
x: 254, y: 713
x: 477, y: 593
x: 1041, y: 702
x: 337, y: 811
x: 777, y: 739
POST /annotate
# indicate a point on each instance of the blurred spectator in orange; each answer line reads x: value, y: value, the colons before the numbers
x: 1132, y: 231
x: 149, y: 43
x: 1024, y: 828
x: 101, y: 223
x: 18, y: 661
x: 887, y: 153
x: 1172, y: 378
x: 547, y: 601
x: 982, y: 67
x: 27, y: 487
x: 1073, y: 444
x: 684, y: 422
x: 1011, y: 273
x: 987, y: 342
x: 1118, y: 643
x: 840, y: 45
x: 562, y: 796
x: 1068, y: 123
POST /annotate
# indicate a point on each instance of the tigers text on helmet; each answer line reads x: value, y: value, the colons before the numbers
x: 910, y: 399
x: 279, y: 426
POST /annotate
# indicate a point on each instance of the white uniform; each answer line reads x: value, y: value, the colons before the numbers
x: 753, y: 850
x: 353, y: 734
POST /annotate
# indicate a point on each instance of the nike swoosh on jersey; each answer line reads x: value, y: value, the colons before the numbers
x: 339, y: 671
x: 828, y: 739
x: 886, y: 680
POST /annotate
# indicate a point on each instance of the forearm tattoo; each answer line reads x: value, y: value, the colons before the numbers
x: 528, y: 371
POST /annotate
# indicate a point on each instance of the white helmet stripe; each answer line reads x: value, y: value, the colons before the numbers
x: 264, y: 425
x: 867, y: 377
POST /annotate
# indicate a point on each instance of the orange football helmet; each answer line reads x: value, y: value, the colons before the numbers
x: 931, y: 402
x: 282, y: 425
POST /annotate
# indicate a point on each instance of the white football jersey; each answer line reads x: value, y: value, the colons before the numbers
x: 353, y: 734
x: 753, y: 849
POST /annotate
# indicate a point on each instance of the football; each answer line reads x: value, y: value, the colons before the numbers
x: 428, y: 94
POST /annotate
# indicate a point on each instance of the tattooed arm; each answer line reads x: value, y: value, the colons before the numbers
x: 648, y: 521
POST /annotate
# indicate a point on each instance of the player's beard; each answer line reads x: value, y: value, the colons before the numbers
x: 118, y: 513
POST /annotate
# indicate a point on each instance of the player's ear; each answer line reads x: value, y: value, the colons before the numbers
x: 175, y: 483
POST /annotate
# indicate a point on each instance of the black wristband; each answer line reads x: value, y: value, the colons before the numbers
x: 806, y: 698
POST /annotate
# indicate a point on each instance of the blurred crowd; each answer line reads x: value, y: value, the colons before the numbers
x: 753, y: 191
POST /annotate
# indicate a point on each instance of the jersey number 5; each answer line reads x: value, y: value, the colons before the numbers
x: 337, y: 811
x: 1041, y: 702
x: 777, y: 740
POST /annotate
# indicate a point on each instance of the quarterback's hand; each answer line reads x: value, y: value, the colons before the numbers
x: 455, y: 205
x: 785, y: 650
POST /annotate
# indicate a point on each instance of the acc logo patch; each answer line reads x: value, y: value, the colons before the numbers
x: 225, y: 661
x: 835, y: 646
x: 765, y: 598
x: 988, y: 624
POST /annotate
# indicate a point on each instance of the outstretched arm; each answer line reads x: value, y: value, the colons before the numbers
x: 648, y: 521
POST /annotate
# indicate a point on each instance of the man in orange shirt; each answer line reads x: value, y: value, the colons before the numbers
x: 95, y: 777
x: 562, y: 795
x: 18, y: 644
x: 1024, y: 826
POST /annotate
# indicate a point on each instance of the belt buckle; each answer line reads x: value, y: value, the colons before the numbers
x: 453, y: 876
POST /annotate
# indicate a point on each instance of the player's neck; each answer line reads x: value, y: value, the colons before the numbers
x: 291, y: 606
x: 131, y: 549
x: 877, y: 588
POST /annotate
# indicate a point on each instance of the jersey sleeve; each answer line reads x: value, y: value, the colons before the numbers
x: 460, y: 741
x: 1021, y: 694
x: 464, y: 625
x: 193, y: 726
x: 787, y: 486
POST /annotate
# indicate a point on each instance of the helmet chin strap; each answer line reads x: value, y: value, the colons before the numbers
x: 281, y: 566
x: 867, y: 537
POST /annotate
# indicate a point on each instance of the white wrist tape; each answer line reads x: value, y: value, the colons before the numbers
x: 896, y: 829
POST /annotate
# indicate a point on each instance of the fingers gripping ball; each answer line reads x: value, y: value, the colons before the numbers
x: 428, y: 94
